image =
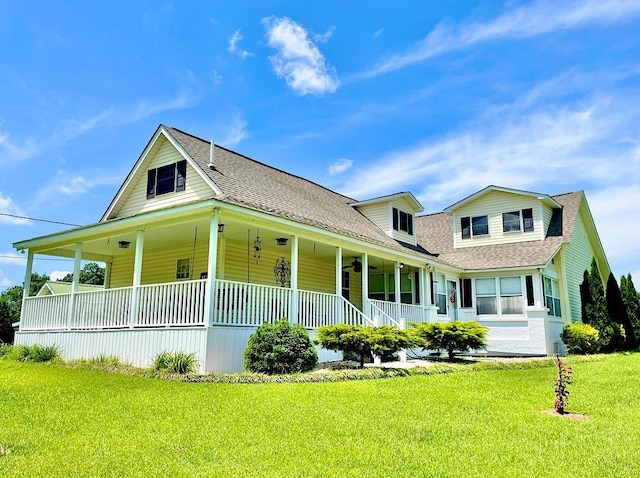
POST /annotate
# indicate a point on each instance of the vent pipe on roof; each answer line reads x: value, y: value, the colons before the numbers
x: 212, y: 154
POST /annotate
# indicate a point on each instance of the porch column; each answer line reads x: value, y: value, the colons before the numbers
x: 294, y: 280
x: 74, y: 285
x: 27, y: 284
x: 210, y: 295
x: 107, y: 274
x: 396, y: 280
x: 425, y: 291
x: 339, y: 284
x: 137, y: 278
x: 366, y: 309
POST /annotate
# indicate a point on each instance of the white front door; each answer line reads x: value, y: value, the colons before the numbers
x: 452, y: 300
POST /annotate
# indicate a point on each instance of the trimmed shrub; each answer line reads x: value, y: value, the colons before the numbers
x: 280, y: 348
x: 364, y: 341
x: 452, y: 336
x: 176, y: 362
x: 580, y: 338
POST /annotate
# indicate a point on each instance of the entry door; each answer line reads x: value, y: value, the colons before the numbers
x: 452, y: 300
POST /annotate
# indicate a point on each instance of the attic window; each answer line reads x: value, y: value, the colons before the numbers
x: 166, y: 179
x: 512, y: 222
x: 402, y: 221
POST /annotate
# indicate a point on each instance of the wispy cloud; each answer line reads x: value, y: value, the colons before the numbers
x: 11, y: 258
x: 234, y: 48
x: 324, y: 37
x: 11, y: 152
x: 378, y: 32
x: 298, y: 59
x: 7, y: 206
x: 236, y: 133
x: 145, y: 109
x: 5, y: 281
x: 340, y: 166
x: 66, y: 184
x: 73, y: 128
x: 531, y: 20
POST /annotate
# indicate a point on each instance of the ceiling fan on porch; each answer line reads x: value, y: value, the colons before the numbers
x: 357, y: 266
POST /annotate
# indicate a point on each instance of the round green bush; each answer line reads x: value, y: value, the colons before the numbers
x: 280, y: 348
x: 580, y: 338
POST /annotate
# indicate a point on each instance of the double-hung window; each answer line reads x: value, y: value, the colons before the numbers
x: 183, y: 268
x: 552, y: 297
x: 511, y: 295
x: 402, y: 221
x: 440, y: 293
x: 518, y: 221
x: 474, y: 226
x: 166, y: 179
x: 486, y: 302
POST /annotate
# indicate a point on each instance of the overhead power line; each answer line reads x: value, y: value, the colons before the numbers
x: 39, y: 220
x: 38, y: 258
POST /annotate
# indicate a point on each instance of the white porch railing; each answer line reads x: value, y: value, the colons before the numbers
x: 409, y: 312
x: 183, y: 304
x: 378, y: 311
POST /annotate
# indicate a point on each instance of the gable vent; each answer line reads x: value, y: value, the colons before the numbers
x: 212, y: 155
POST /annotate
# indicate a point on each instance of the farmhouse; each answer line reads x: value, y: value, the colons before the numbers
x: 202, y: 245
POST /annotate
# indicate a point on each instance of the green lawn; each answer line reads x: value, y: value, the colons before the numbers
x: 60, y: 422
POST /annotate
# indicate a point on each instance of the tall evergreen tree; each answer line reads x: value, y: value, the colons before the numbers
x: 631, y: 301
x: 585, y: 297
x: 611, y: 337
x: 618, y: 312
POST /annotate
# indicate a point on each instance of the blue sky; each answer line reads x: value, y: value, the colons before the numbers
x: 439, y: 98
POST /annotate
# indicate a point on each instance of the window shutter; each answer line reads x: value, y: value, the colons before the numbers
x: 151, y: 183
x: 410, y: 224
x: 529, y: 283
x: 181, y: 176
x: 527, y: 219
x: 395, y: 219
x: 465, y: 226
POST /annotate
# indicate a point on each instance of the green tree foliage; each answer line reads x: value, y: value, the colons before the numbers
x: 585, y: 297
x: 91, y: 274
x: 631, y: 300
x: 580, y: 338
x: 385, y: 340
x: 280, y: 348
x: 611, y: 337
x: 452, y: 336
x: 11, y: 304
x: 618, y: 312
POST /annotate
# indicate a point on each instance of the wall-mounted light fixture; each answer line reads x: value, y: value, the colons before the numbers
x: 281, y: 241
x: 124, y: 244
x: 401, y: 265
x: 220, y: 227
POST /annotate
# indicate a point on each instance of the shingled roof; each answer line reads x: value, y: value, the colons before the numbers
x: 435, y: 233
x: 255, y: 185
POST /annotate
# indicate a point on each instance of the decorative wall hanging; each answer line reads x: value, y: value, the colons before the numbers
x: 282, y: 272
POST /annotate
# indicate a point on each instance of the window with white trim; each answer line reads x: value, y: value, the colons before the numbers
x: 440, y: 289
x: 166, y: 179
x: 552, y: 297
x: 511, y: 295
x: 474, y: 226
x: 516, y: 221
x: 183, y: 268
x: 486, y: 302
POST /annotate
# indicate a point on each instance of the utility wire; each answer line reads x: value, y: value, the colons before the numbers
x: 39, y: 258
x: 40, y: 220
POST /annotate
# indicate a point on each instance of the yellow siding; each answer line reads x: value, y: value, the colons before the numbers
x: 134, y: 200
x: 493, y: 204
x: 377, y: 214
x: 577, y: 256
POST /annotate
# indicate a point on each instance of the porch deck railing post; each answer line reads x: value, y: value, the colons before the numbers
x: 339, y: 313
x: 293, y: 306
x: 27, y: 286
x: 210, y: 296
x: 137, y: 279
x: 74, y: 285
x: 365, y: 285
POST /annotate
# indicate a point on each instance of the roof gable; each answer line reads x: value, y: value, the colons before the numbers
x: 160, y: 138
x: 545, y: 198
x: 406, y: 196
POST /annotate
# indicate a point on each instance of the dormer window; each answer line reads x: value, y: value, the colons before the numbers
x: 402, y: 221
x: 518, y: 221
x: 166, y: 179
x: 474, y: 226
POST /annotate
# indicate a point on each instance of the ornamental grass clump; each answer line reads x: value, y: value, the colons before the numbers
x: 34, y: 353
x: 176, y: 362
x: 280, y: 348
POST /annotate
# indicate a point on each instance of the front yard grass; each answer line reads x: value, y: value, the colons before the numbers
x: 58, y: 422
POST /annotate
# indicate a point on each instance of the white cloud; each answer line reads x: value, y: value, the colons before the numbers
x: 11, y: 152
x: 236, y: 133
x: 534, y: 19
x: 5, y: 281
x: 298, y: 60
x: 74, y: 128
x: 340, y: 166
x: 11, y: 258
x: 378, y: 32
x: 217, y: 77
x: 7, y: 206
x: 324, y: 37
x: 234, y: 40
x: 69, y: 184
x: 146, y: 109
x: 58, y: 275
